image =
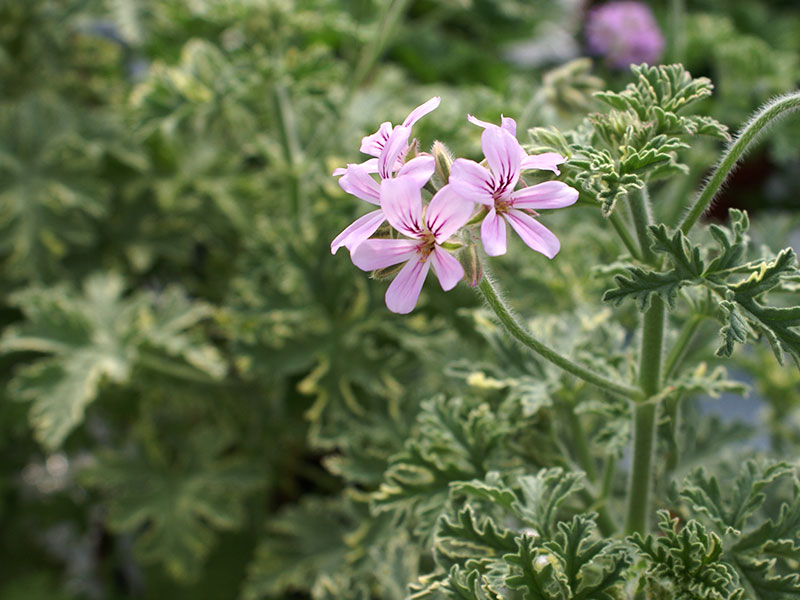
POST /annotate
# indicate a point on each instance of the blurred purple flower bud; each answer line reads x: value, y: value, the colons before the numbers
x: 624, y: 33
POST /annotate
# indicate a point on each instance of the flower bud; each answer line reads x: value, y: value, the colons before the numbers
x: 473, y: 268
x: 443, y: 160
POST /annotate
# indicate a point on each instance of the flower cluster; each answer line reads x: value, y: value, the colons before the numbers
x: 431, y: 231
x: 625, y: 33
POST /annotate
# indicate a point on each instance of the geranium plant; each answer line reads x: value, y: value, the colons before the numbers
x: 502, y: 534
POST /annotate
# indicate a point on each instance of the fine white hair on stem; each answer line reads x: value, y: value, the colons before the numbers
x: 767, y: 115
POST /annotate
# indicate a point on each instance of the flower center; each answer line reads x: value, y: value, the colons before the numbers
x: 501, y: 206
x: 427, y: 244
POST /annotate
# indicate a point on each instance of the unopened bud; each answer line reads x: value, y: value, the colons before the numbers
x: 413, y: 150
x: 443, y: 160
x: 473, y: 268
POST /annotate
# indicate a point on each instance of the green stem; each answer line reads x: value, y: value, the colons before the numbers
x: 773, y: 111
x: 639, y: 204
x: 515, y: 329
x: 293, y: 151
x: 609, y: 470
x: 650, y: 379
x: 622, y: 230
x: 605, y: 520
x: 644, y: 434
x: 370, y: 55
x: 677, y: 27
x: 678, y: 350
x: 579, y: 438
x: 651, y: 357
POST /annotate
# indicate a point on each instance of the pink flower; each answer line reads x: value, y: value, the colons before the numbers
x: 428, y: 230
x: 494, y: 188
x: 374, y: 144
x: 389, y: 146
x: 624, y: 33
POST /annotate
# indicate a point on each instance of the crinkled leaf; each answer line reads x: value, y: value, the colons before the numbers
x: 174, y: 507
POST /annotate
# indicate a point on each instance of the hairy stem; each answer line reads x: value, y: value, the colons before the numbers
x: 644, y: 434
x: 503, y: 313
x: 650, y: 379
x: 678, y: 350
x: 773, y: 111
x: 639, y: 204
x: 622, y: 230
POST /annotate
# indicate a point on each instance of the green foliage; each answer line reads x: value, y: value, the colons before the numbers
x: 612, y: 154
x: 96, y: 336
x: 736, y: 557
x: 221, y: 409
x: 689, y: 558
x: 175, y: 503
x: 739, y: 285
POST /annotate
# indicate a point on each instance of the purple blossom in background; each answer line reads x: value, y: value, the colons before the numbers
x: 624, y: 33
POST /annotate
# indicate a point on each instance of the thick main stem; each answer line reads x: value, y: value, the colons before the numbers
x: 650, y: 380
x: 644, y: 434
x: 523, y: 335
x: 773, y: 111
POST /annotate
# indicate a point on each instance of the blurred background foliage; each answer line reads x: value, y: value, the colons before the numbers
x: 198, y: 400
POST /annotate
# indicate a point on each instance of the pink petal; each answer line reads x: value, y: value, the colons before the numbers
x: 547, y: 161
x: 419, y: 169
x: 358, y: 231
x: 504, y: 155
x: 395, y: 147
x: 379, y: 254
x: 534, y: 234
x: 447, y: 213
x: 402, y: 204
x: 421, y: 111
x: 479, y: 123
x: 447, y: 268
x: 373, y: 144
x: 507, y: 123
x: 471, y: 181
x: 370, y: 166
x: 550, y: 194
x: 493, y: 234
x: 357, y: 181
x: 403, y: 293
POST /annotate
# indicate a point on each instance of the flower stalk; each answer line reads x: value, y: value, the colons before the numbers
x: 513, y: 327
x: 778, y: 108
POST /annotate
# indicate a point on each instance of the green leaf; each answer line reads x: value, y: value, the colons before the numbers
x: 174, y: 506
x: 764, y: 584
x: 640, y: 284
x: 731, y: 511
x: 465, y: 539
x: 301, y: 542
x: 592, y: 566
x: 781, y: 536
x: 96, y: 336
x: 689, y: 559
x: 49, y: 188
x: 702, y: 381
x: 456, y: 438
x: 542, y: 494
x: 534, y: 571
